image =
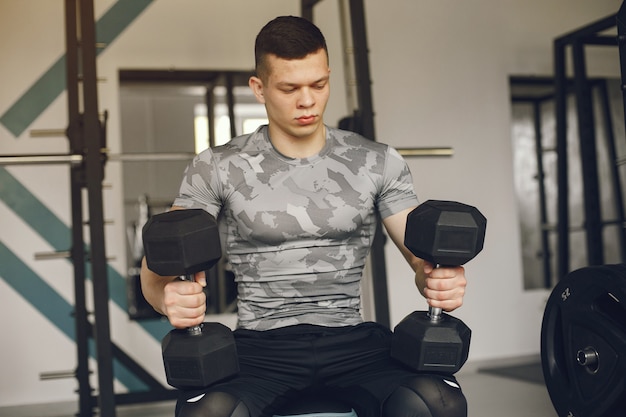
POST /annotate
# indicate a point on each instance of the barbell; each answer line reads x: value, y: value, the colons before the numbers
x: 75, y: 159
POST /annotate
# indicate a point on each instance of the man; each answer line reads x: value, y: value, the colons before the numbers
x: 297, y: 204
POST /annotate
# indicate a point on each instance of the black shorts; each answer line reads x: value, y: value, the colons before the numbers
x: 351, y: 364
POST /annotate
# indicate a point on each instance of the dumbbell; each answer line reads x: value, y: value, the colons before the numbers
x: 445, y: 233
x: 181, y: 243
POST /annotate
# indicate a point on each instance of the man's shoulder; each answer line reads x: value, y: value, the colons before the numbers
x: 248, y: 143
x: 351, y: 139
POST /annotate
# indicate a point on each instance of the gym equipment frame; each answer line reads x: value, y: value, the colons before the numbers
x: 578, y: 39
x: 536, y: 91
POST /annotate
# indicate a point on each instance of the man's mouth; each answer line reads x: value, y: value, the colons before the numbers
x: 305, y: 120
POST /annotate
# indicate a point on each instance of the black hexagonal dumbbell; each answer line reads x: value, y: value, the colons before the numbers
x: 181, y: 243
x: 445, y: 233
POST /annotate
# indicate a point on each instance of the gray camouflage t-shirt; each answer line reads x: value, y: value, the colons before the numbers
x: 297, y: 231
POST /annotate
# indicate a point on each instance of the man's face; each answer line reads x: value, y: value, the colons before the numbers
x: 295, y: 94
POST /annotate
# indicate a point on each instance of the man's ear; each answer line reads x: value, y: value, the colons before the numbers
x: 256, y: 85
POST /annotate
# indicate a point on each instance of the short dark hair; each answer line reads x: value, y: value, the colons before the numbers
x: 287, y: 37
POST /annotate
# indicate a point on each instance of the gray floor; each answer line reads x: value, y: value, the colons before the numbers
x: 488, y: 396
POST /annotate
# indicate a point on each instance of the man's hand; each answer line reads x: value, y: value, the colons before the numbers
x: 184, y: 302
x: 444, y: 286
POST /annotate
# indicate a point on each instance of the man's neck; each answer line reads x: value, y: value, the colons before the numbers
x: 298, y: 147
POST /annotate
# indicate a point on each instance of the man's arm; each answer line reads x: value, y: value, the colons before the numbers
x: 442, y: 287
x: 183, y: 302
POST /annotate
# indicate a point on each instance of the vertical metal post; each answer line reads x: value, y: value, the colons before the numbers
x: 77, y: 179
x: 543, y: 211
x: 230, y: 104
x: 588, y: 155
x: 94, y: 170
x: 560, y: 103
x: 209, y: 100
x: 621, y: 38
x: 366, y: 124
x: 612, y: 155
x: 362, y: 68
x: 306, y: 8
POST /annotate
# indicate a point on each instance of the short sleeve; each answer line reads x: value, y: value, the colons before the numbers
x: 200, y: 187
x: 397, y: 192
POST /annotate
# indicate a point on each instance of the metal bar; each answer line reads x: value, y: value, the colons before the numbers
x: 543, y: 210
x: 366, y: 128
x: 600, y: 40
x: 40, y: 159
x: 94, y: 175
x: 589, y: 30
x: 560, y: 104
x: 589, y: 158
x: 612, y: 151
x: 530, y: 98
x: 621, y: 37
x: 348, y: 57
x: 81, y: 321
x: 230, y: 104
x: 409, y: 152
x: 46, y: 376
x: 72, y: 45
x: 306, y: 8
x: 362, y: 68
x: 581, y: 227
x: 45, y: 256
x: 53, y: 159
x: 151, y: 157
x: 75, y: 138
x: 44, y: 133
x: 209, y: 99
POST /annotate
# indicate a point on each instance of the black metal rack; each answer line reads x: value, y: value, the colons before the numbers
x: 589, y: 35
x: 537, y: 91
x: 86, y: 133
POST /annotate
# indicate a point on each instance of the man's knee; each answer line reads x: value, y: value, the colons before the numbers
x: 427, y: 396
x: 213, y: 404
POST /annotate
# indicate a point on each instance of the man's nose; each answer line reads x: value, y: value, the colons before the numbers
x: 306, y: 98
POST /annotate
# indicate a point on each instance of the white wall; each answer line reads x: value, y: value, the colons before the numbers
x: 439, y: 71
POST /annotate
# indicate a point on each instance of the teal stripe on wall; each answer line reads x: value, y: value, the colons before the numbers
x: 53, y: 307
x: 38, y: 97
x: 25, y: 205
x: 19, y: 199
x: 52, y: 83
x: 45, y: 299
x: 118, y: 18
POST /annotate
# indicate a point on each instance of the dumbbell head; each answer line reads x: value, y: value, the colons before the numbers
x: 445, y: 232
x: 181, y: 242
x: 199, y: 360
x: 425, y: 346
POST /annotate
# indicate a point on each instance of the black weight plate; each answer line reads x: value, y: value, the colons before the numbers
x: 583, y: 343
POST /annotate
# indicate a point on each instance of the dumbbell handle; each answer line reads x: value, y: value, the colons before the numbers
x: 194, y: 330
x: 434, y: 313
